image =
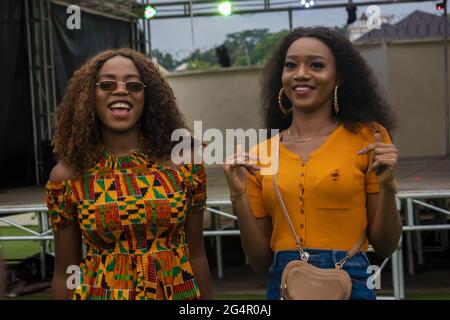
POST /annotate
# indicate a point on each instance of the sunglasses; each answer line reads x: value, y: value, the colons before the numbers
x: 111, y: 85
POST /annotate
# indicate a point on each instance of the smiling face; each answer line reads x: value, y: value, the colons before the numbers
x: 309, y: 74
x: 119, y: 109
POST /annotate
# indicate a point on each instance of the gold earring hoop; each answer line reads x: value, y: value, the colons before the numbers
x: 336, y: 102
x: 280, y: 103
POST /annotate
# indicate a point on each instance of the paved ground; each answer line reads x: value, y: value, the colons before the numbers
x: 432, y: 277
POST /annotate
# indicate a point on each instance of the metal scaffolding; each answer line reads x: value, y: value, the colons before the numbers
x: 41, y: 66
x: 208, y: 8
x: 41, y: 75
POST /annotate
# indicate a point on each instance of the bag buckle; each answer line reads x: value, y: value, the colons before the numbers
x: 304, y: 256
x: 341, y: 263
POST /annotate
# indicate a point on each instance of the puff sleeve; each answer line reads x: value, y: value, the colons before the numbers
x: 61, y: 208
x: 194, y: 176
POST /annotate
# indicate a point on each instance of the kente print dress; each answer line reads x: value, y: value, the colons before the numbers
x: 131, y: 212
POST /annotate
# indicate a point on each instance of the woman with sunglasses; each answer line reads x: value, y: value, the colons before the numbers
x: 116, y: 190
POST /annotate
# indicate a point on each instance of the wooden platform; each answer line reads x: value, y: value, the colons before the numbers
x: 413, y: 174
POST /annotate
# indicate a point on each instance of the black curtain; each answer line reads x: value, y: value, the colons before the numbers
x: 16, y: 134
x: 73, y: 47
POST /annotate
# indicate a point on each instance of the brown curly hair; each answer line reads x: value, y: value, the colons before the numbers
x: 77, y: 138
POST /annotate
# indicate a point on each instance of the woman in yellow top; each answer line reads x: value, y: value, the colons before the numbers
x: 116, y: 189
x: 336, y: 162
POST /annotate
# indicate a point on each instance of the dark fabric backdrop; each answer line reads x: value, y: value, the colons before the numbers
x: 71, y: 48
x: 16, y: 135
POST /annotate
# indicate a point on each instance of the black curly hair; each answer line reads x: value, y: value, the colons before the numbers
x: 77, y: 138
x: 360, y: 98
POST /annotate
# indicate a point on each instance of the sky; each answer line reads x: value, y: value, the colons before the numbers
x: 175, y: 35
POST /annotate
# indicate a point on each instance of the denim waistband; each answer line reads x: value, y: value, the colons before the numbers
x: 333, y: 256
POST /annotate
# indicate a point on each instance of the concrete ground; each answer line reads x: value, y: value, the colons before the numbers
x: 432, y: 277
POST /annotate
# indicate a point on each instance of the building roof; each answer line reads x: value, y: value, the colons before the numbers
x: 417, y: 25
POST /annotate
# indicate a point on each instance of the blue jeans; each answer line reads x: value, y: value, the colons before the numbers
x: 356, y: 267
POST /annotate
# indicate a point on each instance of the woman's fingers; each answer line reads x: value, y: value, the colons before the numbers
x: 384, y: 163
x: 385, y: 156
x: 375, y: 146
x: 241, y: 158
x: 386, y: 150
x: 252, y: 169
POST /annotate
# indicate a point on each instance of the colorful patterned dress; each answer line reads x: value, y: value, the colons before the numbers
x: 131, y: 212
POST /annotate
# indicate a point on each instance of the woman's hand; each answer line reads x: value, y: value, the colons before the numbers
x: 237, y: 167
x: 384, y: 161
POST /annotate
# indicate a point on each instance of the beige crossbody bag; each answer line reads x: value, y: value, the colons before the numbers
x: 303, y: 281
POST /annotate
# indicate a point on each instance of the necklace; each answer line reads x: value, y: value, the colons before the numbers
x: 313, y: 137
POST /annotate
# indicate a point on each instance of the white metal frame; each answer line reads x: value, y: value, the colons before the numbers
x: 214, y: 206
x: 412, y: 200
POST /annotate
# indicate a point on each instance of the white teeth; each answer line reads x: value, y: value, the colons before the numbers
x: 302, y: 88
x: 120, y: 105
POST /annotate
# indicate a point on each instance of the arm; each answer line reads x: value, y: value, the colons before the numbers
x: 67, y: 242
x: 67, y: 252
x: 2, y: 277
x: 255, y: 232
x: 197, y: 254
x: 255, y: 235
x: 384, y: 223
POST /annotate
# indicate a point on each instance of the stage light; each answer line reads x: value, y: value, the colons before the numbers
x: 307, y: 3
x: 440, y: 5
x: 351, y: 10
x: 225, y: 8
x: 150, y: 12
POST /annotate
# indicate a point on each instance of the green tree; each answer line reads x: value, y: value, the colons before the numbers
x: 248, y: 47
x: 264, y: 48
x: 165, y: 59
x: 241, y: 44
x: 202, y: 60
x: 342, y: 29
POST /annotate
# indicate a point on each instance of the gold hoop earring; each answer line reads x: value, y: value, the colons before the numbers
x: 336, y: 102
x: 280, y: 103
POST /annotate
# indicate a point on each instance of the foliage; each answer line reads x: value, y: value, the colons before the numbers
x: 245, y: 48
x: 165, y: 59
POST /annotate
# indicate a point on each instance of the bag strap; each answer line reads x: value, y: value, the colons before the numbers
x: 286, y: 214
x: 304, y: 255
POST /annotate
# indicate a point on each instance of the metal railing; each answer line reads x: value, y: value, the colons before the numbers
x: 44, y: 235
x: 213, y: 207
x: 412, y: 218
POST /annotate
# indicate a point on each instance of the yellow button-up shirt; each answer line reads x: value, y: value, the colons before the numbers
x: 325, y: 196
